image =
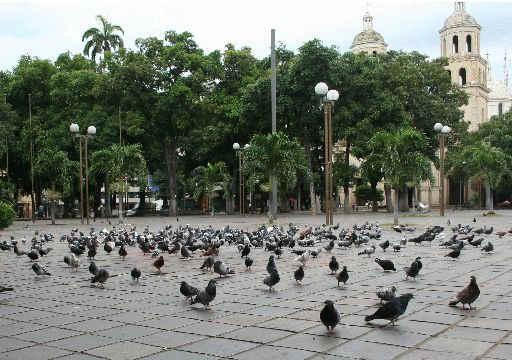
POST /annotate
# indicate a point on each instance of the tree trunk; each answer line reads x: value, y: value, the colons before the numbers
x: 395, y: 207
x: 170, y: 159
x: 298, y: 198
x: 142, y: 199
x: 52, y: 205
x: 403, y: 199
x: 387, y: 195
x: 375, y: 204
x: 346, y: 188
x: 489, y: 203
x: 312, y: 197
x: 120, y: 196
x: 108, y: 208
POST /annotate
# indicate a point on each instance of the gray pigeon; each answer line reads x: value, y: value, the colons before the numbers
x: 272, y: 279
x: 188, y: 290
x: 329, y: 316
x: 220, y: 268
x: 386, y: 294
x: 101, y: 277
x: 185, y: 253
x: 208, y: 263
x: 392, y: 309
x: 468, y: 295
x: 342, y: 276
x: 39, y: 270
x: 207, y: 296
x: 271, y: 265
x: 333, y: 265
x: 488, y: 247
x: 93, y: 269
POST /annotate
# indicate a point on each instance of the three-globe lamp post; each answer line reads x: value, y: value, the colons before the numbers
x: 443, y: 131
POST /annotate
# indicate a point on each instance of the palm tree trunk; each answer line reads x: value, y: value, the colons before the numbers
x: 312, y: 197
x: 375, y: 204
x: 489, y: 203
x: 346, y: 188
x: 395, y: 208
x: 52, y: 205
x: 387, y: 194
x: 120, y: 196
x: 108, y: 209
x: 170, y: 159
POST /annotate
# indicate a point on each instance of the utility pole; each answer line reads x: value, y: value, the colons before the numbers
x: 33, y: 196
x: 273, y: 180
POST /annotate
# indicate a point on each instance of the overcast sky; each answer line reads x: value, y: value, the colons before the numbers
x: 46, y: 28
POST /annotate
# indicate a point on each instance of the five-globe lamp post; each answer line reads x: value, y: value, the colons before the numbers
x: 328, y: 98
x: 443, y: 131
x: 91, y: 131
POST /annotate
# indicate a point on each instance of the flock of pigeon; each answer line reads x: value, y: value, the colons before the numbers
x: 304, y: 244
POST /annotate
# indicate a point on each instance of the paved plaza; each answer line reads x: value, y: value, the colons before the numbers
x: 63, y: 317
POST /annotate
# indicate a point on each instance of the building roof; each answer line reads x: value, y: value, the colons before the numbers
x: 368, y: 35
x: 460, y: 17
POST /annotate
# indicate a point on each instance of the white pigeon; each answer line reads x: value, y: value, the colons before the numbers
x: 303, y: 259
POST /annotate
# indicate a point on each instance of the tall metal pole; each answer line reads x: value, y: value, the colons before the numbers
x: 273, y: 180
x: 240, y: 195
x: 120, y: 128
x: 31, y: 159
x: 441, y: 195
x: 329, y: 161
x: 6, y: 145
x: 86, y: 182
x: 326, y: 162
x: 81, y: 181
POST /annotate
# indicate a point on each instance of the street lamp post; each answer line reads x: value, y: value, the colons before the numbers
x: 91, y: 131
x: 442, y: 130
x: 236, y: 147
x: 328, y: 98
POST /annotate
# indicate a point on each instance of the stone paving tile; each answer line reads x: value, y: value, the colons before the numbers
x: 168, y: 322
x: 255, y: 334
x: 420, y: 354
x: 81, y: 342
x: 126, y: 332
x: 219, y: 347
x: 181, y: 355
x: 19, y: 328
x: 468, y: 347
x: 9, y: 344
x: 308, y: 342
x: 169, y: 339
x: 366, y: 350
x: 38, y: 352
x: 461, y: 332
x: 124, y: 351
x: 274, y: 353
x: 394, y: 336
x: 208, y: 328
x: 501, y: 351
x: 47, y: 334
x: 486, y: 323
x: 288, y: 324
x: 92, y: 325
x: 341, y: 331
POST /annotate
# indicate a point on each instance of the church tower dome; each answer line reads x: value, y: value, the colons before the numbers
x: 368, y: 41
x: 460, y: 43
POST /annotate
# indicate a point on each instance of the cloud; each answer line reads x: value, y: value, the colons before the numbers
x: 46, y: 28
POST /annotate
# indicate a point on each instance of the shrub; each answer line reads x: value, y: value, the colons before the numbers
x: 7, y: 214
x: 365, y: 193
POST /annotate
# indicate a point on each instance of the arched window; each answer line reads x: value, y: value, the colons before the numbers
x: 462, y: 77
x: 468, y: 43
x: 500, y: 109
x: 455, y: 44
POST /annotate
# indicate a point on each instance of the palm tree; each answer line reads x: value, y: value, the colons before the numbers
x: 115, y: 163
x: 209, y: 179
x: 102, y: 40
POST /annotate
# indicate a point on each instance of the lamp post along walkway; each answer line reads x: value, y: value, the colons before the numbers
x: 91, y: 131
x: 443, y: 130
x: 328, y: 98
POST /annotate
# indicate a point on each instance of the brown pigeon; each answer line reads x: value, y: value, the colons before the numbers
x: 468, y: 295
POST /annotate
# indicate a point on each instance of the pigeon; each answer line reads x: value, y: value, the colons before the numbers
x: 278, y: 251
x: 108, y: 247
x: 207, y: 296
x: 386, y: 294
x: 386, y: 265
x: 303, y: 259
x: 271, y: 265
x: 246, y: 250
x: 330, y: 246
x: 73, y: 261
x: 44, y: 252
x: 474, y: 220
x: 159, y: 263
x: 412, y: 271
x: 5, y: 288
x: 392, y: 309
x: 185, y: 253
x: 501, y: 233
x: 384, y: 245
x: 93, y: 269
x: 333, y: 265
x: 329, y: 316
x: 488, y: 247
x: 220, y: 268
x: 188, y: 290
x: 367, y: 251
x: 397, y: 247
x: 272, y: 279
x: 208, y: 263
x: 477, y: 242
x: 342, y: 276
x: 123, y: 252
x: 315, y: 253
x: 101, y: 277
x: 33, y: 255
x: 453, y: 254
x: 91, y: 253
x: 135, y: 273
x: 39, y: 270
x: 248, y: 263
x: 299, y: 274
x: 468, y: 295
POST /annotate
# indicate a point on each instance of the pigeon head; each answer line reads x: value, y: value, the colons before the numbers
x: 393, y: 288
x: 328, y: 303
x: 418, y: 258
x: 473, y: 279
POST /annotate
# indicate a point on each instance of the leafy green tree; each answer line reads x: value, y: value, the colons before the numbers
x: 54, y: 171
x: 7, y: 214
x: 275, y: 155
x: 102, y: 40
x: 365, y: 192
x: 115, y: 164
x: 211, y: 178
x: 401, y: 155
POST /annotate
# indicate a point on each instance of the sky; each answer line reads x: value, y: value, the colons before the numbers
x: 46, y: 28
